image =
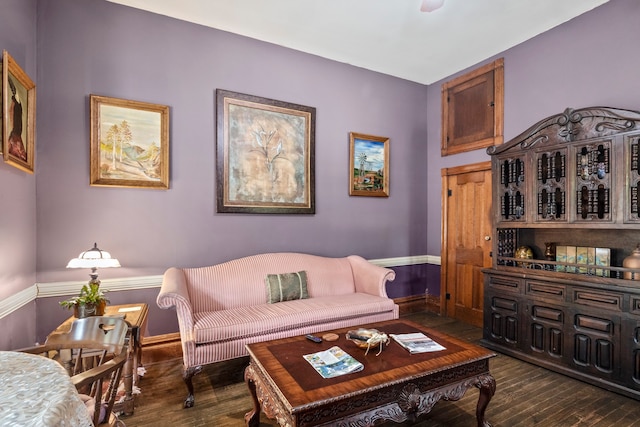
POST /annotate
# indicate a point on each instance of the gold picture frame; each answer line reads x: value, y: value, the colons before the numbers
x: 129, y: 143
x: 368, y: 165
x: 18, y: 115
x: 265, y: 155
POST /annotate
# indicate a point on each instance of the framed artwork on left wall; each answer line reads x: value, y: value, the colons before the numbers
x: 129, y: 143
x: 18, y: 115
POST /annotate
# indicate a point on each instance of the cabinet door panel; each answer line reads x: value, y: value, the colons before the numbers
x: 631, y: 352
x: 511, y: 190
x: 551, y: 185
x: 593, y: 181
x: 596, y: 344
x: 632, y: 172
x: 501, y: 314
x: 545, y: 325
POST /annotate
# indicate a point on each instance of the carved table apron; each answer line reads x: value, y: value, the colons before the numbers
x: 395, y: 386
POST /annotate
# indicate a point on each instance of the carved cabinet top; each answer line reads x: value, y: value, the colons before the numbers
x: 573, y: 125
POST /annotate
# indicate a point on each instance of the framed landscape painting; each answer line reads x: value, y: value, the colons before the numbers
x: 18, y: 115
x: 264, y: 155
x: 129, y: 143
x: 368, y: 165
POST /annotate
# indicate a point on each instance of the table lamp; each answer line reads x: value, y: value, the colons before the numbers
x: 94, y: 258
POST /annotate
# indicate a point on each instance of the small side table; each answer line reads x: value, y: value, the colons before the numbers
x: 136, y: 316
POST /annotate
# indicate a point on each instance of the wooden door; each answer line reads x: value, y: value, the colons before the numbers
x: 466, y: 241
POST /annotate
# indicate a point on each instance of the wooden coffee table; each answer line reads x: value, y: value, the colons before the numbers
x: 394, y: 386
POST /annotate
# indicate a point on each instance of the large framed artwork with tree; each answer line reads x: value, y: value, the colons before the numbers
x: 264, y: 155
x: 129, y: 143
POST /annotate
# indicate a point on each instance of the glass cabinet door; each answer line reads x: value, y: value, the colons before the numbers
x: 551, y: 185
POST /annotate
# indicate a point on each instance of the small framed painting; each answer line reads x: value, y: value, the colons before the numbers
x: 264, y: 155
x: 368, y: 165
x: 129, y: 143
x: 18, y: 115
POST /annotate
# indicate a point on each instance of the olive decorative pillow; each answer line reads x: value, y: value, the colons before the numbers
x: 286, y: 287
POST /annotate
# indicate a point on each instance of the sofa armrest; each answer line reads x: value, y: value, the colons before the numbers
x: 175, y: 293
x: 370, y: 278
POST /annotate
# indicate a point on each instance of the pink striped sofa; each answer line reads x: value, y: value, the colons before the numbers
x: 223, y: 307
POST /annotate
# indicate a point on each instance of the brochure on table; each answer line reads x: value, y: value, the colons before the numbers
x: 333, y: 362
x: 417, y: 342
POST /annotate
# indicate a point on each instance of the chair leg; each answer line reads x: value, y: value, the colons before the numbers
x: 187, y: 376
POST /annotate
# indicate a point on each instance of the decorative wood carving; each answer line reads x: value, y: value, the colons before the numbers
x: 398, y: 403
x: 574, y: 125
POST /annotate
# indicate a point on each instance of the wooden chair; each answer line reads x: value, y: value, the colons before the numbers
x: 93, y: 352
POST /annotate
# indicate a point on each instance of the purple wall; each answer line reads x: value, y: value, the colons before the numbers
x: 591, y: 60
x: 107, y: 49
x: 18, y: 189
x: 103, y: 48
x: 415, y: 280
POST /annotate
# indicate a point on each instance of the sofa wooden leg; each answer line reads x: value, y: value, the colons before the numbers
x: 187, y: 376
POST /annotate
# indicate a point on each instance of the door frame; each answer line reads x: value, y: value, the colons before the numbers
x: 445, y: 173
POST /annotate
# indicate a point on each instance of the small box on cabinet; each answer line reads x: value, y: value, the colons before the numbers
x: 603, y: 258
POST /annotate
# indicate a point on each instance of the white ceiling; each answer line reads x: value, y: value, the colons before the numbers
x: 389, y: 36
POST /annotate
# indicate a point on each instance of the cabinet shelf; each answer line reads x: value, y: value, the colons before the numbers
x: 571, y: 269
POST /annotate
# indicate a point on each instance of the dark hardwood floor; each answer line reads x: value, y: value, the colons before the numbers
x: 526, y: 395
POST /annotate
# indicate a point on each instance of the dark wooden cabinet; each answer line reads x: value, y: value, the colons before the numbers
x: 572, y: 179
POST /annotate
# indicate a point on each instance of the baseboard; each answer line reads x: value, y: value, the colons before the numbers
x: 411, y: 304
x: 433, y: 304
x: 167, y: 346
x: 161, y: 347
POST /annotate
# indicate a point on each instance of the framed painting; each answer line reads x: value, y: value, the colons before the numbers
x: 368, y: 165
x: 264, y: 155
x: 18, y: 115
x: 129, y: 143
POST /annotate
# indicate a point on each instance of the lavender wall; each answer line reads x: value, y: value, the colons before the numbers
x: 107, y: 49
x: 591, y: 60
x: 18, y: 189
x: 103, y: 48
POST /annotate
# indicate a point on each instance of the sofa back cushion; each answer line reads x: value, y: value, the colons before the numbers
x: 242, y: 282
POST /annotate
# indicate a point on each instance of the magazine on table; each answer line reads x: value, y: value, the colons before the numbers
x: 333, y: 362
x: 417, y: 342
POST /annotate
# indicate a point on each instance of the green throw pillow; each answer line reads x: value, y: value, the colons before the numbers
x: 286, y: 287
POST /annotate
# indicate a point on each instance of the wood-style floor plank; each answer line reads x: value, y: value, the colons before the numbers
x: 526, y: 395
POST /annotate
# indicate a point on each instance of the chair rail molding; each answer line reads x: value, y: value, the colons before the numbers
x: 56, y: 289
x: 18, y: 300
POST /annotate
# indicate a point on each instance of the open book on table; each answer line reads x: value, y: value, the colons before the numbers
x: 333, y: 362
x: 417, y: 342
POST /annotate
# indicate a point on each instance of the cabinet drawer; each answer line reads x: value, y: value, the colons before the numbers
x: 550, y: 314
x: 498, y: 303
x: 505, y: 284
x: 600, y: 299
x: 545, y: 290
x: 604, y: 326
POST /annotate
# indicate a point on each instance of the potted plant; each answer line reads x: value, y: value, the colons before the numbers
x: 90, y: 302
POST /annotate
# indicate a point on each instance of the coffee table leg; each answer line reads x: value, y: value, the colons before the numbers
x: 487, y: 386
x: 252, y: 418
